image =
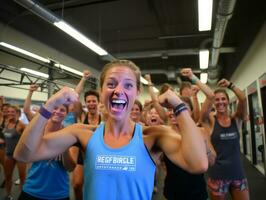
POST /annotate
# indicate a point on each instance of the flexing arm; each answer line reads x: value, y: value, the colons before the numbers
x: 160, y: 110
x: 206, y: 108
x: 190, y: 151
x: 34, y: 146
x: 80, y: 86
x: 27, y: 102
x: 241, y: 110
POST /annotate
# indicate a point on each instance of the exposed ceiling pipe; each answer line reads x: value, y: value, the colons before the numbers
x: 225, y: 12
x: 160, y: 53
x: 171, y: 74
x: 38, y: 10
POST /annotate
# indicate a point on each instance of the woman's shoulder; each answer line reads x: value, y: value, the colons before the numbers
x: 82, y: 127
x: 20, y: 124
x: 155, y: 129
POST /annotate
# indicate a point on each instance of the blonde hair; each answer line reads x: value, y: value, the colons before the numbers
x: 16, y: 108
x: 127, y: 63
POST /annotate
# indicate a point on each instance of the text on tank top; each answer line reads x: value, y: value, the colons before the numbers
x: 118, y: 173
x: 225, y: 141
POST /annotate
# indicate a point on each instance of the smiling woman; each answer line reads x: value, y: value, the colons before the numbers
x: 119, y: 175
x: 48, y: 179
x: 227, y: 174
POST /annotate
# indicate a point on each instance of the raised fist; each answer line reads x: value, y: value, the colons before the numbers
x: 169, y: 99
x: 33, y: 87
x: 187, y: 72
x: 223, y: 83
x: 64, y: 96
x: 148, y: 78
x: 86, y: 74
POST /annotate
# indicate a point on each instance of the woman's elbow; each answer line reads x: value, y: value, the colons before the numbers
x: 203, y: 166
x: 19, y: 155
x: 200, y: 167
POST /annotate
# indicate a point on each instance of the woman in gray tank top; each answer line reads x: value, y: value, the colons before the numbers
x: 12, y: 131
x: 227, y: 173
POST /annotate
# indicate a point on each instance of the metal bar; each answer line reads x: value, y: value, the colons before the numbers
x: 21, y: 78
x: 10, y: 84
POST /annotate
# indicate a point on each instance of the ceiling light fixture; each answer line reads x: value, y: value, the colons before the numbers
x: 204, y: 59
x: 50, y: 17
x: 69, y: 69
x: 205, y: 14
x: 27, y: 53
x: 80, y: 37
x: 204, y: 77
x: 34, y: 72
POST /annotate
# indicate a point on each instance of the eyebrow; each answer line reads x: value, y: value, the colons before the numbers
x: 127, y: 79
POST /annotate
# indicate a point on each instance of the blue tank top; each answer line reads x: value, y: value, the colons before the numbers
x: 225, y: 141
x: 47, y: 179
x: 69, y: 119
x: 124, y: 173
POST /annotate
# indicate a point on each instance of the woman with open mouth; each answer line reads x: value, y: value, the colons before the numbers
x: 118, y: 162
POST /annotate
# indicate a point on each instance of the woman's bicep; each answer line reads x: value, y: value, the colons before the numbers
x: 170, y: 144
x: 55, y: 143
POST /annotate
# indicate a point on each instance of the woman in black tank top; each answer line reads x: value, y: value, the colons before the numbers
x: 227, y: 174
x: 180, y: 184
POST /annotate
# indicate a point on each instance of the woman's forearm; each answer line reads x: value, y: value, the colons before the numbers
x: 241, y: 111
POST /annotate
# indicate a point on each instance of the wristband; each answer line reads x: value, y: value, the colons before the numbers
x: 194, y: 79
x: 180, y: 108
x: 231, y: 86
x: 45, y: 113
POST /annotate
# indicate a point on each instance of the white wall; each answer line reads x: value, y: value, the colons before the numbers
x: 250, y: 69
x: 254, y: 63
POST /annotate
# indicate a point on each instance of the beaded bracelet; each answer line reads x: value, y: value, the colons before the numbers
x: 180, y: 108
x: 45, y: 113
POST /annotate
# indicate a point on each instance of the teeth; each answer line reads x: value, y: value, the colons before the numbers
x: 118, y: 101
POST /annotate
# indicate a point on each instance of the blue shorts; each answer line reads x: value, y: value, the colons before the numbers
x: 218, y: 187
